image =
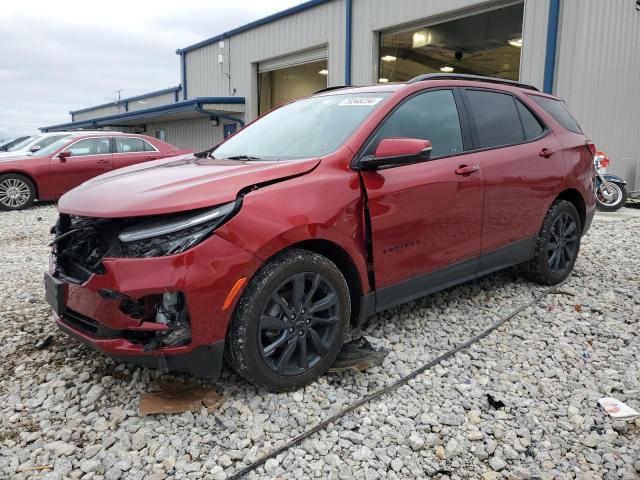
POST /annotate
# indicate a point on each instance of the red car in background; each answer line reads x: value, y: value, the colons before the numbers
x: 72, y: 159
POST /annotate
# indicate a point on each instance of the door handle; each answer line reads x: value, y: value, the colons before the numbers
x: 467, y: 169
x: 547, y: 152
x: 102, y: 161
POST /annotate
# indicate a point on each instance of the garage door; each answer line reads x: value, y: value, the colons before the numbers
x: 283, y: 79
x: 298, y: 58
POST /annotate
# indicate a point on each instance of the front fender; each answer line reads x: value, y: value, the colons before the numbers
x: 613, y: 178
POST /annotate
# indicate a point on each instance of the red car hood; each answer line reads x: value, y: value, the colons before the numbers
x: 173, y: 185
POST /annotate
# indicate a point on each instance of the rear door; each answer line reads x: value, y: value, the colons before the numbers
x: 523, y: 170
x: 424, y: 217
x: 131, y: 150
x: 89, y: 157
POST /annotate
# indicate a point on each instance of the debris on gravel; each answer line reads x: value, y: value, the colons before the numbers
x: 69, y: 412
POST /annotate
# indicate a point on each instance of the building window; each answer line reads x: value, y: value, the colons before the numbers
x: 161, y: 135
x: 486, y: 44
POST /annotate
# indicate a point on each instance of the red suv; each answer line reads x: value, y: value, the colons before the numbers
x: 324, y: 211
x: 65, y: 160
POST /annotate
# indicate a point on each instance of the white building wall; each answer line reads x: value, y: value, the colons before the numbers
x: 597, y: 72
x: 321, y: 25
x: 150, y: 102
x: 98, y: 112
x: 194, y: 133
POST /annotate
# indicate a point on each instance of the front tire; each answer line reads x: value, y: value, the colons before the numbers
x: 612, y: 201
x: 16, y: 192
x: 557, y: 244
x: 289, y: 324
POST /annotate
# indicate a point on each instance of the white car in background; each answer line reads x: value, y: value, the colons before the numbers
x: 10, y: 142
x: 33, y: 143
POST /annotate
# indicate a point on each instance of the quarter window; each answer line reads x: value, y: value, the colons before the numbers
x: 559, y: 111
x: 429, y: 116
x: 90, y: 146
x: 531, y: 125
x: 496, y: 118
x: 132, y: 145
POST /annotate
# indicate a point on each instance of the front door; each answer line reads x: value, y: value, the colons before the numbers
x: 424, y: 217
x: 89, y: 157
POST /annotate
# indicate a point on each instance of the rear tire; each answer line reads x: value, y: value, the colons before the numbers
x: 16, y: 192
x: 557, y: 244
x: 289, y: 324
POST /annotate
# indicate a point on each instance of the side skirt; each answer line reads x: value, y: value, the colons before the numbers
x: 420, y: 286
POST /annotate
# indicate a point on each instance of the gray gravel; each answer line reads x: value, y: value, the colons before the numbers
x: 70, y: 409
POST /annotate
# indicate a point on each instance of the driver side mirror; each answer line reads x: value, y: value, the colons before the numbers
x: 35, y: 148
x: 63, y: 156
x: 394, y: 152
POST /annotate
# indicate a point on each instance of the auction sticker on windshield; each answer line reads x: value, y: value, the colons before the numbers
x: 355, y: 101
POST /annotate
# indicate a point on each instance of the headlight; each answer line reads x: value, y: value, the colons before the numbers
x: 162, y: 237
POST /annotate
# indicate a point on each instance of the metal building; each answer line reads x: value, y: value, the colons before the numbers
x: 585, y: 51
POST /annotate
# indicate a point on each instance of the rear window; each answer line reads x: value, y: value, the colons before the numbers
x: 496, y: 118
x: 559, y: 111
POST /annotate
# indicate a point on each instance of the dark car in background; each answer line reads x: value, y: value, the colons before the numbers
x: 68, y: 159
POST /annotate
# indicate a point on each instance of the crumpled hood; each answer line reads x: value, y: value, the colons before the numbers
x: 173, y: 185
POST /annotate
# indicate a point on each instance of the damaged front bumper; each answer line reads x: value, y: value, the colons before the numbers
x: 122, y: 309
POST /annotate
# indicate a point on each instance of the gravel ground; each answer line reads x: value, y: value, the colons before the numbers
x: 67, y: 408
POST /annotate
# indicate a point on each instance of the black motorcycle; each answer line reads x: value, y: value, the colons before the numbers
x: 611, y: 191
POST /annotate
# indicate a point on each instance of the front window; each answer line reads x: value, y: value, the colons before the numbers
x: 311, y: 127
x: 52, y: 147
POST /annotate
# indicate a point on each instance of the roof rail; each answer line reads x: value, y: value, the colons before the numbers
x: 474, y: 78
x: 328, y: 89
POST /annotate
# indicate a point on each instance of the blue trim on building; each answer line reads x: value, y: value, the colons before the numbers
x: 257, y: 23
x: 129, y: 99
x: 194, y: 105
x: 552, y: 45
x: 183, y: 74
x: 201, y: 110
x: 348, y: 35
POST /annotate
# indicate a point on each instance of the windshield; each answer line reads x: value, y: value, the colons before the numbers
x: 311, y: 127
x: 21, y: 145
x: 52, y: 147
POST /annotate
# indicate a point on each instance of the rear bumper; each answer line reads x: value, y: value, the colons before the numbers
x: 591, y: 212
x: 205, y: 275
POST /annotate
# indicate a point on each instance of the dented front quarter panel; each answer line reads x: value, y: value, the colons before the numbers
x: 205, y: 274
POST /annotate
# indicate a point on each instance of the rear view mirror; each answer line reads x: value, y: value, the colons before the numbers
x: 393, y: 152
x: 35, y: 148
x: 63, y: 156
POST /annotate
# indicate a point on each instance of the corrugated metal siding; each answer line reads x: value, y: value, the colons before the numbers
x: 149, y: 102
x: 195, y: 133
x: 597, y: 74
x: 324, y: 24
x: 98, y: 112
x: 534, y: 41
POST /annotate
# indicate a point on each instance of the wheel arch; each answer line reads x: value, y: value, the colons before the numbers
x: 572, y: 195
x: 345, y: 264
x: 26, y: 175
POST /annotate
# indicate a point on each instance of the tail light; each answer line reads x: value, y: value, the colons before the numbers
x: 592, y: 148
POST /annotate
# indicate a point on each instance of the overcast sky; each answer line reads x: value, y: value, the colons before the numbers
x: 65, y: 55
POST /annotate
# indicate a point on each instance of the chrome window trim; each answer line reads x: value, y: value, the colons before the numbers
x: 115, y: 139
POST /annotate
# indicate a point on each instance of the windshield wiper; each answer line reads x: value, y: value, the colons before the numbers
x: 243, y: 157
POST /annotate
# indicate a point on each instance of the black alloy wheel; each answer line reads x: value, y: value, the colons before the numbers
x: 557, y: 244
x: 561, y: 249
x: 289, y: 323
x: 299, y: 323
